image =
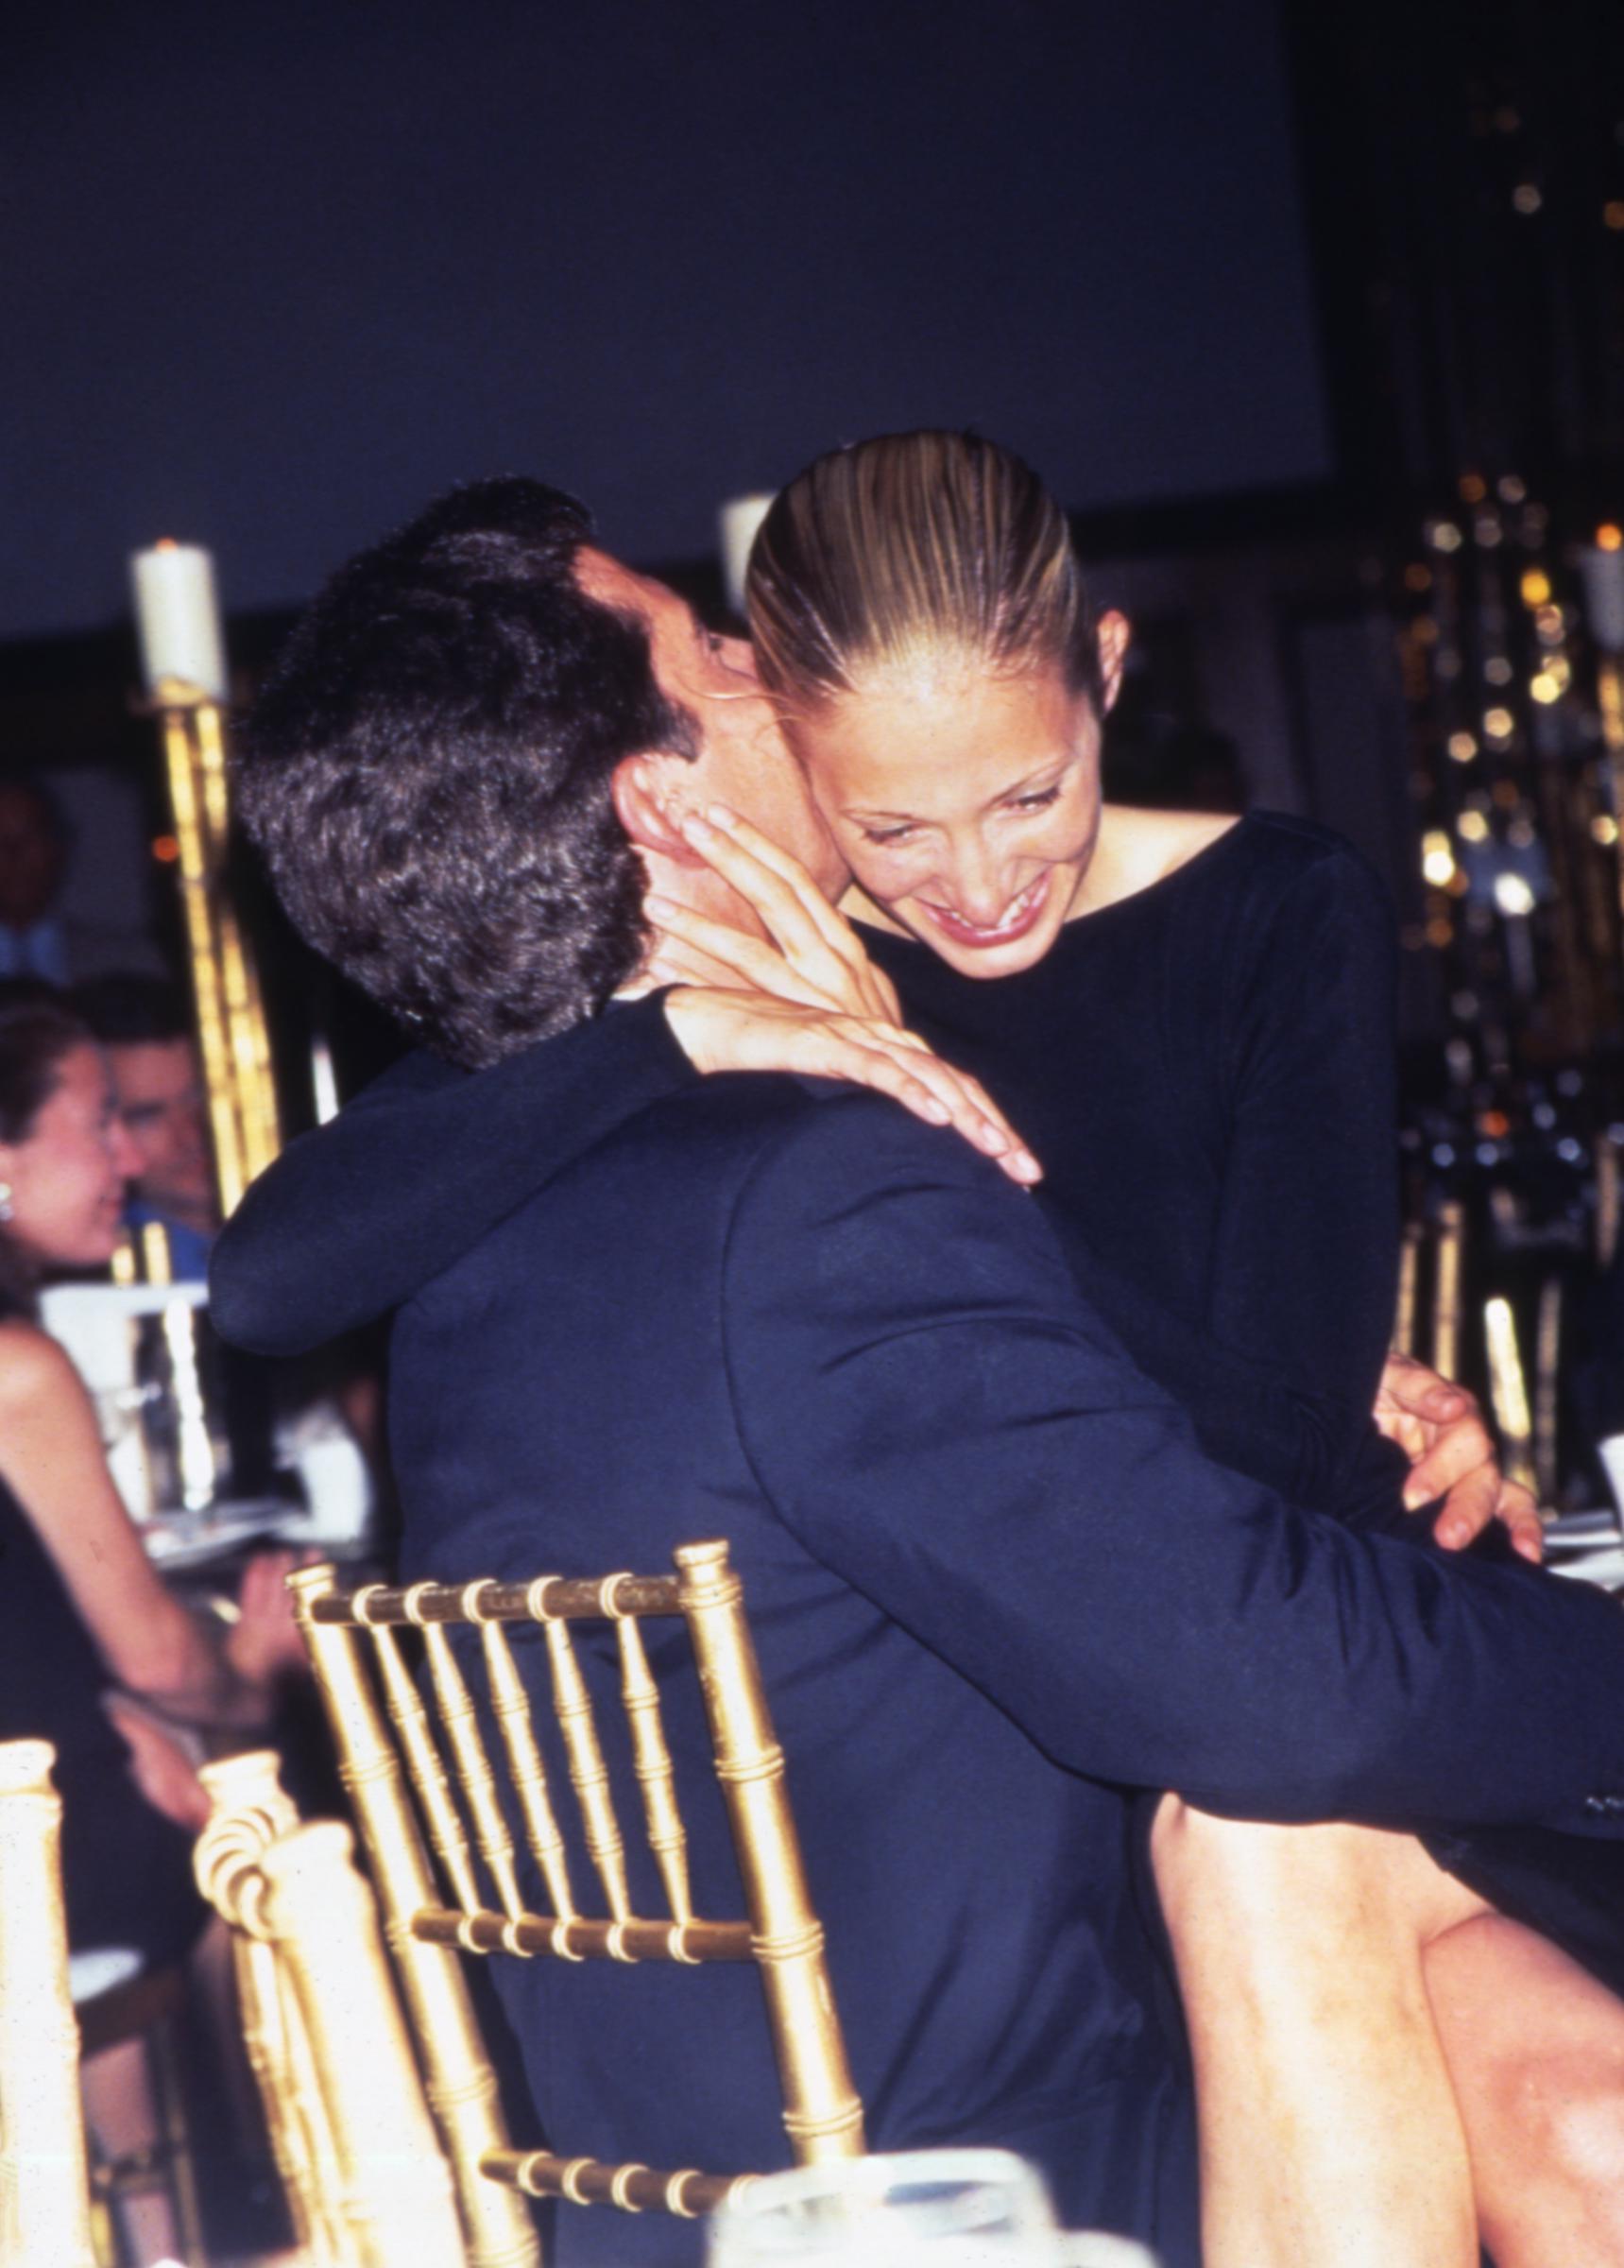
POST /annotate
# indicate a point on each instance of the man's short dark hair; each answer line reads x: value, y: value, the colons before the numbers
x: 129, y: 1008
x: 427, y: 773
x: 44, y: 796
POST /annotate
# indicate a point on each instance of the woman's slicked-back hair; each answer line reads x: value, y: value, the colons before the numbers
x: 896, y: 553
x: 427, y: 772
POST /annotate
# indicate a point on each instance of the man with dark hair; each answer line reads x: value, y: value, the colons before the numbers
x: 143, y: 1023
x: 33, y: 856
x: 37, y: 937
x: 481, y: 888
x: 994, y: 1579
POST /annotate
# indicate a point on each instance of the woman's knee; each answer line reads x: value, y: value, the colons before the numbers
x: 1569, y: 2114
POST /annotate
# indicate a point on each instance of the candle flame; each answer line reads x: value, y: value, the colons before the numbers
x: 1609, y: 538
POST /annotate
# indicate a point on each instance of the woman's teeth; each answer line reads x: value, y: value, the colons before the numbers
x: 1009, y: 922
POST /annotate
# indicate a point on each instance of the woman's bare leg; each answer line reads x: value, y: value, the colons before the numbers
x: 1535, y: 2047
x: 1330, y: 2132
x: 1323, y: 2131
x: 122, y: 2115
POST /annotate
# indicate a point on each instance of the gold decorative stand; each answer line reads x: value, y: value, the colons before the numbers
x: 231, y: 1014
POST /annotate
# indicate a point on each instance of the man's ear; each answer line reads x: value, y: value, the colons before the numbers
x: 652, y: 795
x: 1114, y: 634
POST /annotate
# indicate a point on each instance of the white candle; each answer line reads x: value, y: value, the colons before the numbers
x: 1601, y: 576
x: 739, y: 517
x: 179, y: 617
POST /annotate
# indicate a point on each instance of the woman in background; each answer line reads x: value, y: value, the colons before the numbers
x: 95, y: 1654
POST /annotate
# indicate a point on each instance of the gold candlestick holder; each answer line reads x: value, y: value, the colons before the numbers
x: 231, y: 1032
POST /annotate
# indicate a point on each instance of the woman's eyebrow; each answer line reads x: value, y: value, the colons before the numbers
x: 1042, y: 775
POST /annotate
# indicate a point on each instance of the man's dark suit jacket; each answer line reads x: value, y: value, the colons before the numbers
x: 994, y: 1583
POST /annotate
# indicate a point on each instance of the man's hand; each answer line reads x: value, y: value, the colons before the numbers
x: 807, y: 998
x: 1440, y: 1430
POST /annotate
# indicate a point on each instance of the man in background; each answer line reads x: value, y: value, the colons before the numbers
x: 39, y: 937
x: 143, y: 1023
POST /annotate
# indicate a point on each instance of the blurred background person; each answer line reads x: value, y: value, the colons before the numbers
x: 144, y: 1030
x: 97, y: 1655
x: 39, y: 936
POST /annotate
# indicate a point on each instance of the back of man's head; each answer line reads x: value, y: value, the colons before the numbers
x: 427, y: 772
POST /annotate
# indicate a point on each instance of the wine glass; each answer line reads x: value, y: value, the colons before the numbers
x: 965, y: 2208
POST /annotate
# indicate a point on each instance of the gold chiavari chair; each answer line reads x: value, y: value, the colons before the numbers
x: 405, y: 1777
x: 44, y: 2184
x: 58, y: 2197
x: 367, y: 2182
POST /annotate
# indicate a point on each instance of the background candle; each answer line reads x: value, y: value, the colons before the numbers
x: 179, y: 617
x: 739, y: 519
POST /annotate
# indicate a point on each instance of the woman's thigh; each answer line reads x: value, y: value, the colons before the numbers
x: 1328, y: 2124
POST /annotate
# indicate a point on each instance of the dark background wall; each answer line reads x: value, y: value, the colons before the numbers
x: 275, y: 272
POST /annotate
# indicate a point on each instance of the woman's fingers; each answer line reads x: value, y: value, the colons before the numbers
x: 725, y: 1030
x: 728, y: 953
x: 761, y: 850
x: 794, y: 910
x: 1440, y: 1429
x: 1482, y: 1497
x: 842, y: 1048
x: 1518, y: 1513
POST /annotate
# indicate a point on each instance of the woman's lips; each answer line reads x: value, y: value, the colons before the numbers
x: 1016, y: 919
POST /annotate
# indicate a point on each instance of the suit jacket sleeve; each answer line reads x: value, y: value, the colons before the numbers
x: 457, y: 1151
x: 933, y: 1410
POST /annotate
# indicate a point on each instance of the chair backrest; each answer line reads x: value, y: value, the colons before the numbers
x: 366, y: 2180
x: 416, y: 1788
x: 45, y: 2183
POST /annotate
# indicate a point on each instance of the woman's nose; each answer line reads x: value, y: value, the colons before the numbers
x: 980, y: 888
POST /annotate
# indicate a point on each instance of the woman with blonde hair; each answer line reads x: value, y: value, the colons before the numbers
x: 1188, y: 1019
x: 1189, y: 1024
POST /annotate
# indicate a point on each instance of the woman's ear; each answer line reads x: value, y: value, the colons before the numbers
x: 652, y: 795
x: 1113, y: 633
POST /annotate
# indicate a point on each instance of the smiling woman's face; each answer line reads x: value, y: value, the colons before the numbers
x: 66, y: 1176
x: 967, y: 806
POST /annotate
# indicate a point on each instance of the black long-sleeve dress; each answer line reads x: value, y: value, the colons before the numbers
x: 1204, y: 1070
x: 127, y: 1870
